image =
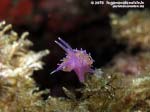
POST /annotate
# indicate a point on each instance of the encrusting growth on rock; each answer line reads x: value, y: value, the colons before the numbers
x: 17, y: 64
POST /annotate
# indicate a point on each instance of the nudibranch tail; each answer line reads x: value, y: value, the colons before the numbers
x: 81, y: 77
x: 64, y: 45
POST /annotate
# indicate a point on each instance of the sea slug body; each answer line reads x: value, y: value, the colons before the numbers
x: 76, y: 60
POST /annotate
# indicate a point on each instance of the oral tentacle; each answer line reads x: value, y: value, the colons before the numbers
x: 57, y: 69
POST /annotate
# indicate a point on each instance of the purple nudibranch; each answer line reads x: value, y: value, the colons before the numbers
x: 76, y: 60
